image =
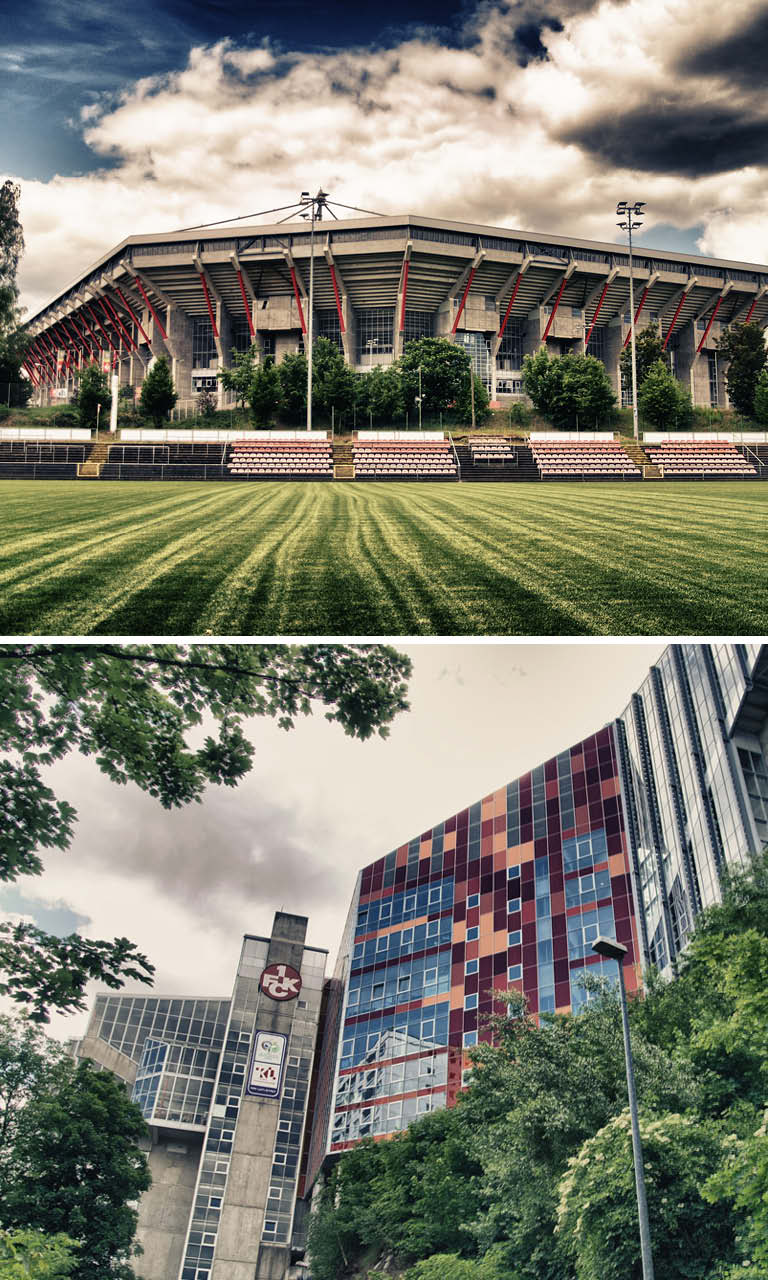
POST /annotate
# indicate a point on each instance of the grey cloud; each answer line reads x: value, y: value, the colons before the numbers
x: 210, y: 856
x: 740, y: 58
x: 690, y: 139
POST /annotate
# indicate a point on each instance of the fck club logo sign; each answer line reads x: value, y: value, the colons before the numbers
x: 281, y: 982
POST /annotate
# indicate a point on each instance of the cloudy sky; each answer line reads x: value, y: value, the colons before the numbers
x: 532, y: 114
x: 317, y: 807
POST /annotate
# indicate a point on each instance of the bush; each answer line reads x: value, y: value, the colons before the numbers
x: 4, y: 412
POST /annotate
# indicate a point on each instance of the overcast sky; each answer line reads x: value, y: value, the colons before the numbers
x: 535, y: 114
x: 317, y: 807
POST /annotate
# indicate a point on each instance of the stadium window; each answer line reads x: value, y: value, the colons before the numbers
x: 375, y: 332
x: 329, y: 326
x: 418, y: 324
x: 241, y: 334
x: 473, y: 900
x: 203, y: 344
x: 514, y: 972
x: 514, y: 938
x: 473, y: 933
x: 470, y: 1002
x: 471, y: 966
x: 469, y: 1038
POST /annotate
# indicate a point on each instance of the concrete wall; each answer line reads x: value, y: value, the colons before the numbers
x: 164, y: 1209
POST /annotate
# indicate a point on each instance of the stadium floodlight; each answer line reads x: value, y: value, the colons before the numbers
x: 633, y: 215
x: 315, y: 204
x: 613, y: 950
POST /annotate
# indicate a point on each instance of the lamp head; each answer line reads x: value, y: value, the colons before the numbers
x: 610, y: 948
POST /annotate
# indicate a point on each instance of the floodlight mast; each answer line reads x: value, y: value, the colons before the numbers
x: 613, y: 950
x: 630, y: 211
x: 315, y: 205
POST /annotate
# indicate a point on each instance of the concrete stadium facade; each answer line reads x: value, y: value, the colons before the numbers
x: 195, y: 296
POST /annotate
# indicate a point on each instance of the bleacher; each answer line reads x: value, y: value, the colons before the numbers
x: 40, y: 460
x: 172, y: 461
x: 280, y: 460
x: 696, y: 459
x: 587, y: 460
x: 404, y: 460
x: 490, y: 449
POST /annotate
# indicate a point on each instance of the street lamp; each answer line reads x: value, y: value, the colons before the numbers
x: 614, y: 950
x: 420, y: 398
x: 315, y: 205
x: 371, y: 344
x: 630, y: 212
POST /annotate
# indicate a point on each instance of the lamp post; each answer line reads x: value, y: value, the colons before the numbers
x: 630, y: 212
x: 420, y: 397
x: 315, y: 205
x: 371, y: 344
x: 614, y: 950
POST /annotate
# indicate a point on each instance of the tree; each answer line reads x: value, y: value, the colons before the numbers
x: 445, y: 373
x: 132, y: 708
x: 92, y: 391
x: 333, y: 382
x: 379, y: 394
x: 158, y: 395
x: 743, y: 346
x: 292, y: 372
x: 742, y: 1180
x: 463, y: 406
x: 264, y: 392
x: 206, y: 404
x: 597, y: 1213
x: 662, y: 401
x: 77, y: 1169
x: 761, y: 398
x: 238, y: 377
x: 32, y: 1255
x: 11, y: 249
x: 570, y: 390
x: 648, y: 350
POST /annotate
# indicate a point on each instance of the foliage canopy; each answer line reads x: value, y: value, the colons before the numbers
x: 133, y: 708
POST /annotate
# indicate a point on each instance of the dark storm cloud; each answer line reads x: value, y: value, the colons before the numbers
x: 692, y: 140
x: 740, y: 58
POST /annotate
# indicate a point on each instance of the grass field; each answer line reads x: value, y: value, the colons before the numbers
x: 383, y: 559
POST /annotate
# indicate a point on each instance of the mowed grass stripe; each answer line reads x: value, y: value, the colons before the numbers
x: 391, y: 559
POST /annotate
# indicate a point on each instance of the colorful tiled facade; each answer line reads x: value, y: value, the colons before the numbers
x: 506, y: 895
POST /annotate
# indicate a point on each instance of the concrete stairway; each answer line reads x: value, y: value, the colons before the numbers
x: 523, y: 468
x: 343, y: 465
x: 640, y: 458
x: 97, y: 456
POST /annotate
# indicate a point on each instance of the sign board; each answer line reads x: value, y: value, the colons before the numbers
x: 280, y: 982
x: 265, y: 1070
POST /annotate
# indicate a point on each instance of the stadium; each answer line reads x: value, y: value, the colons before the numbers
x: 378, y: 284
x: 628, y: 833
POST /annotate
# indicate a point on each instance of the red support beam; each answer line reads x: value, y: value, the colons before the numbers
x: 134, y: 318
x: 594, y: 318
x: 154, y: 314
x: 110, y: 310
x: 93, y: 316
x: 509, y: 304
x: 95, y: 346
x: 297, y: 295
x: 406, y: 265
x: 338, y: 299
x: 710, y: 322
x: 640, y: 306
x: 29, y: 372
x: 246, y: 303
x: 678, y: 309
x: 553, y: 312
x: 463, y: 300
x: 54, y: 355
x: 43, y: 359
x: 749, y: 313
x: 76, y: 334
x: 211, y: 312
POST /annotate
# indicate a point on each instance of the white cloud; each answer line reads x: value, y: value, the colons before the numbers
x: 463, y: 133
